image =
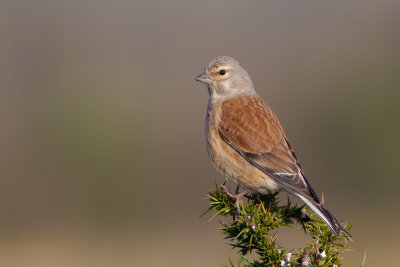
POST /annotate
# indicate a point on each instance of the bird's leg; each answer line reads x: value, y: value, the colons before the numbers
x: 238, y: 197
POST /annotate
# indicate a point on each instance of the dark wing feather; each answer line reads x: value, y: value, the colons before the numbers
x: 250, y: 127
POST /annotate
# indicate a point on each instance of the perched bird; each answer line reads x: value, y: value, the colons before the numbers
x: 246, y: 142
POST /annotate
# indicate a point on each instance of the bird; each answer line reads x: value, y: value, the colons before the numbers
x: 247, y: 143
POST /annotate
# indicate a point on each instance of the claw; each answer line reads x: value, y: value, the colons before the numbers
x: 238, y: 197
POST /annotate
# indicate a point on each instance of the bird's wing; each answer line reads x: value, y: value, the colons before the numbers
x: 249, y: 126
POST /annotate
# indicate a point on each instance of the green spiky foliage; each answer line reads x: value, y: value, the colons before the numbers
x: 254, y: 230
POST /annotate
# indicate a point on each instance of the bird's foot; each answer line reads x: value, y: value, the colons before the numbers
x: 238, y: 196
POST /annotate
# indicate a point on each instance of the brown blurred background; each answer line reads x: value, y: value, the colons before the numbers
x: 103, y: 159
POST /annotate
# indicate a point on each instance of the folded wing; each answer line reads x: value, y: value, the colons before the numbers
x: 250, y: 127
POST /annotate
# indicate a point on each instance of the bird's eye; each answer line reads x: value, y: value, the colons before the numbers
x: 222, y: 72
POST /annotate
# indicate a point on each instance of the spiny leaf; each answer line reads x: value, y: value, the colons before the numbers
x: 257, y: 225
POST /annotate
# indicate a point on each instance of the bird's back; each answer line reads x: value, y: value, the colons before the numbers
x: 230, y: 163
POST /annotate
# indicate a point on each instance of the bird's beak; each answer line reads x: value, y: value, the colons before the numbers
x: 203, y: 78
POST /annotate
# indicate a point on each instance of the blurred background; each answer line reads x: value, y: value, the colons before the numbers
x: 103, y: 159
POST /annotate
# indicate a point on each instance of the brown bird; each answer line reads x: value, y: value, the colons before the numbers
x: 246, y: 142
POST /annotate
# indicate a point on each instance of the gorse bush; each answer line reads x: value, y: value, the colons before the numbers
x: 254, y: 229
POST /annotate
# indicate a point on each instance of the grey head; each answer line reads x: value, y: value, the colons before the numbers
x: 225, y: 78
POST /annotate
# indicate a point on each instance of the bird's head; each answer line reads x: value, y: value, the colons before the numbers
x: 226, y: 78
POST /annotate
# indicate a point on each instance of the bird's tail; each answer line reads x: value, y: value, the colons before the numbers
x: 325, y: 215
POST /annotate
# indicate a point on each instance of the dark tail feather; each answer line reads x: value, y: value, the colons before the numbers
x: 334, y: 224
x: 325, y: 215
